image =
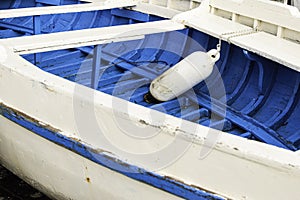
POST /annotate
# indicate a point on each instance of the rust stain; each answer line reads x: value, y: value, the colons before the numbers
x: 88, y: 180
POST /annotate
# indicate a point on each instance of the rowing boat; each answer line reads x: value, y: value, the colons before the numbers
x: 81, y: 120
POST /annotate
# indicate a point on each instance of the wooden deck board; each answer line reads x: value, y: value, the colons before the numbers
x: 25, y: 12
x: 96, y: 36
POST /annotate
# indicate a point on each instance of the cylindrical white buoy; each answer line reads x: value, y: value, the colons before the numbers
x: 184, y: 75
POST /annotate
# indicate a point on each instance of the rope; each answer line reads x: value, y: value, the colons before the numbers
x: 234, y: 34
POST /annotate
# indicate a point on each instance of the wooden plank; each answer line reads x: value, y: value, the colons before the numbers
x: 24, y: 12
x: 286, y: 16
x: 96, y: 66
x: 156, y: 10
x: 280, y: 50
x: 275, y: 48
x: 87, y: 37
x: 50, y: 2
x: 37, y: 31
x: 211, y: 24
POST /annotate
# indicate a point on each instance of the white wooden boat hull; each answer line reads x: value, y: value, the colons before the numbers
x: 63, y: 174
x: 72, y: 142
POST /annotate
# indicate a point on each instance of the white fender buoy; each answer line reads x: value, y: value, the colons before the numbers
x: 184, y: 75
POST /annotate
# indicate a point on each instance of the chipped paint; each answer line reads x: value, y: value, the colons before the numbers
x: 47, y: 87
x: 9, y: 110
x: 106, y: 159
x: 194, y: 186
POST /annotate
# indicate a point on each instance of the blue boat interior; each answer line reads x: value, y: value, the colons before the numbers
x: 261, y: 96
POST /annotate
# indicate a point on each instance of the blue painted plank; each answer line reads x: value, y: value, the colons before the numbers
x: 96, y: 66
x: 49, y: 2
x: 133, y: 15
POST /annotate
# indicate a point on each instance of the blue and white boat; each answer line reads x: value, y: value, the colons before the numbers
x: 81, y: 118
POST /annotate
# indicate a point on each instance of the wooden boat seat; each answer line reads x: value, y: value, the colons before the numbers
x: 256, y: 31
x: 272, y: 47
x: 73, y: 39
x: 48, y: 10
